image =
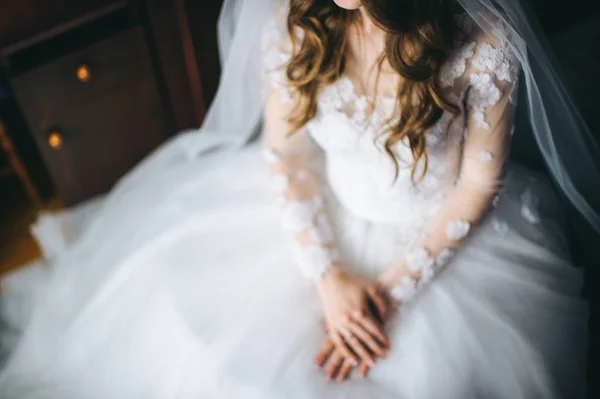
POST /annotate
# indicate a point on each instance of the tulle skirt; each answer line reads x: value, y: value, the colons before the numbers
x: 184, y: 287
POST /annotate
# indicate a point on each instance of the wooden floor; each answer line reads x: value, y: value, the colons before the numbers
x: 17, y: 212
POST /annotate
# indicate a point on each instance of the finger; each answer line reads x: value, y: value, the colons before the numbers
x: 367, y: 339
x: 335, y: 362
x: 359, y: 348
x: 344, y: 371
x: 341, y: 346
x: 363, y: 369
x: 325, y: 352
x: 375, y: 330
x: 379, y: 301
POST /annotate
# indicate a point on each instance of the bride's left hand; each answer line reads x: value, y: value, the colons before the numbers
x: 338, y: 367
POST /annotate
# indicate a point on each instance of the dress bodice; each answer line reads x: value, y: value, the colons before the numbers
x: 350, y: 129
x: 438, y: 196
x: 362, y: 175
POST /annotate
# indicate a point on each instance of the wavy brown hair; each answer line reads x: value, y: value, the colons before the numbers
x: 420, y: 36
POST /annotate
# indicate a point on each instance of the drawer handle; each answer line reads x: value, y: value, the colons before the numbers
x: 55, y: 139
x: 84, y: 73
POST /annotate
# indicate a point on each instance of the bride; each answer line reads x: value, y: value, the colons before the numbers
x: 375, y: 243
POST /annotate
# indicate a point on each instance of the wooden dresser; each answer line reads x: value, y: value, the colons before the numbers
x: 95, y: 85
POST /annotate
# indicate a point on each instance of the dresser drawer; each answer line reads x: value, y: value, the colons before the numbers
x: 86, y: 73
x: 93, y: 113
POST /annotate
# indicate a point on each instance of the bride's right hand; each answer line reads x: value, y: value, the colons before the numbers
x: 350, y: 323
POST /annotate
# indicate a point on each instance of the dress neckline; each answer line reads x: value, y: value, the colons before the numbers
x: 359, y: 94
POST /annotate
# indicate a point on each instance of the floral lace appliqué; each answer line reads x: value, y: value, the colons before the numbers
x: 444, y: 257
x: 277, y: 52
x: 405, y: 290
x: 498, y: 60
x: 456, y: 66
x: 304, y: 219
x: 419, y: 259
x: 486, y: 156
x: 483, y: 93
x: 457, y: 230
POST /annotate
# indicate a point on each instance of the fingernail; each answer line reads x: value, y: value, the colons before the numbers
x: 371, y: 363
x: 354, y: 362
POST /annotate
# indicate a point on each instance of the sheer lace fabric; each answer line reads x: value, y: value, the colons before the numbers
x: 465, y: 170
x: 486, y: 72
x: 298, y: 194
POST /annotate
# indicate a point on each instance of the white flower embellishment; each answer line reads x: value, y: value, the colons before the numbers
x: 496, y: 201
x: 322, y: 232
x: 457, y: 229
x: 405, y: 289
x: 456, y: 66
x: 419, y: 259
x: 498, y: 60
x: 270, y: 156
x: 314, y: 260
x: 426, y: 276
x: 529, y: 214
x: 529, y: 207
x: 444, y: 257
x: 483, y: 94
x: 500, y: 226
x: 486, y: 156
x: 298, y: 215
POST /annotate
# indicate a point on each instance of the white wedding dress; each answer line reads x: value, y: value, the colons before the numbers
x: 189, y: 287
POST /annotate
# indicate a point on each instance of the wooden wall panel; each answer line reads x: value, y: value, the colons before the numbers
x: 24, y: 22
x: 163, y: 25
x: 202, y: 18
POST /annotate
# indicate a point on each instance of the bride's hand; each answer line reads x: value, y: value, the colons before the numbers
x: 351, y: 325
x: 338, y: 368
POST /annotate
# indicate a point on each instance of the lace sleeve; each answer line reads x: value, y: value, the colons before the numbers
x: 487, y: 76
x: 294, y: 180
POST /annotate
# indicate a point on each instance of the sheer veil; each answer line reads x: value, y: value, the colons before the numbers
x: 568, y: 147
x: 566, y: 143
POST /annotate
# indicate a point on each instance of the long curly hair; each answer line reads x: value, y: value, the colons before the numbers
x: 419, y: 37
